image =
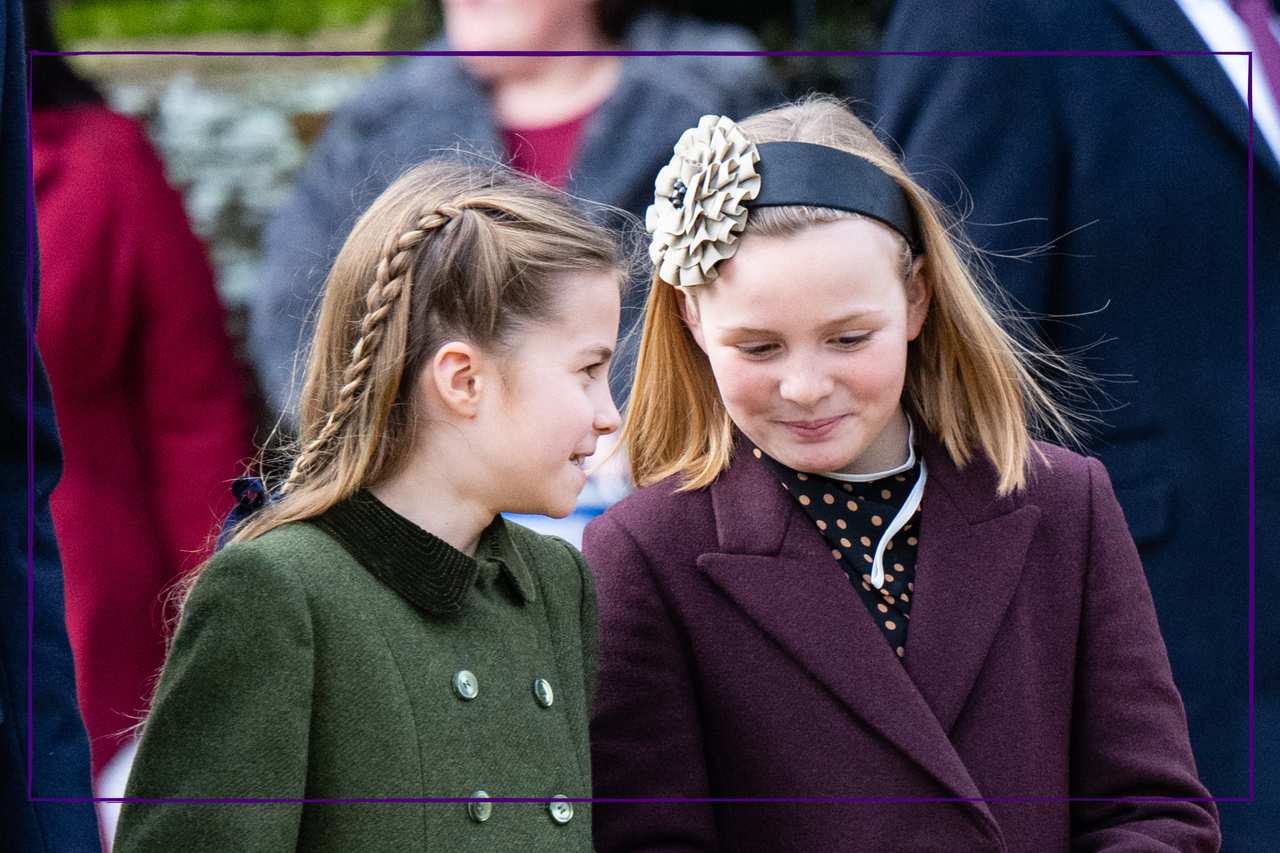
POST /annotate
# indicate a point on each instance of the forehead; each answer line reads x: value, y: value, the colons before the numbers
x: 587, y: 312
x: 587, y: 292
x: 832, y: 268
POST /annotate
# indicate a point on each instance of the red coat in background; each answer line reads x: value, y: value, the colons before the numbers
x: 149, y: 403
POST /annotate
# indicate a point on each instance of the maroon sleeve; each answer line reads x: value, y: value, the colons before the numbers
x: 196, y: 422
x: 1129, y: 730
x: 646, y: 731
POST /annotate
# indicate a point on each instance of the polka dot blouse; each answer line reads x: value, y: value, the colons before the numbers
x: 853, y: 518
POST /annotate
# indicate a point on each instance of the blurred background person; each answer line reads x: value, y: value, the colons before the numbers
x: 1131, y: 176
x: 150, y: 405
x: 43, y: 750
x: 598, y: 125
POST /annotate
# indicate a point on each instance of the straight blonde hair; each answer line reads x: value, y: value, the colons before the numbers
x: 969, y: 380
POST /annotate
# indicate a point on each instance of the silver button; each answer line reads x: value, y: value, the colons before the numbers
x: 561, y: 809
x: 465, y: 684
x: 542, y: 692
x: 479, y: 811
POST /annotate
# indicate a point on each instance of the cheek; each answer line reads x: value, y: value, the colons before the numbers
x: 877, y: 376
x: 568, y: 410
x: 744, y: 386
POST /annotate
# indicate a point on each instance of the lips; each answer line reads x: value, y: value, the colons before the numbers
x: 813, y: 429
x: 581, y: 456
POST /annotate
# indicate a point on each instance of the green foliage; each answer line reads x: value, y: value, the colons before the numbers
x: 414, y: 23
x: 114, y: 19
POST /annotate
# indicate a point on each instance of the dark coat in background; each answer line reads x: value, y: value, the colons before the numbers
x: 1136, y: 169
x: 58, y: 750
x: 737, y: 661
x: 417, y: 109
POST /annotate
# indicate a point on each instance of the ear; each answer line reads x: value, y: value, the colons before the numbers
x: 456, y: 373
x: 919, y: 293
x: 689, y: 313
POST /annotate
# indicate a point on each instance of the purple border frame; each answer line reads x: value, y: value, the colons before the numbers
x: 30, y: 423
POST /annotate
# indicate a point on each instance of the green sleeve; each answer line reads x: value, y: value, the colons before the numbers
x: 231, y: 716
x: 590, y: 628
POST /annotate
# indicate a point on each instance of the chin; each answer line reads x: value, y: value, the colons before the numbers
x: 558, y: 511
x: 560, y: 505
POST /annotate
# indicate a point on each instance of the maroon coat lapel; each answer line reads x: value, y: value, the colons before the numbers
x: 779, y: 570
x: 973, y: 547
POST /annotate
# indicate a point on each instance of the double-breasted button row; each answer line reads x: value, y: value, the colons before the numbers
x: 467, y: 687
x: 480, y: 811
x: 465, y: 684
x: 560, y: 808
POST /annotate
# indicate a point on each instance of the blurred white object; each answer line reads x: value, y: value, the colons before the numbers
x: 110, y: 783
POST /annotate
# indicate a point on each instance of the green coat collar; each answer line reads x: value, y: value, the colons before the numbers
x: 418, y: 565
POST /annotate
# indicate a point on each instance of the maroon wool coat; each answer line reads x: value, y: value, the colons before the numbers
x: 737, y: 661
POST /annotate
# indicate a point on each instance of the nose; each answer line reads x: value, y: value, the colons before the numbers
x: 804, y: 381
x: 607, y: 419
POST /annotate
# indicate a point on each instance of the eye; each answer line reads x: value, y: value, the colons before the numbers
x: 852, y: 340
x: 595, y: 370
x: 756, y: 350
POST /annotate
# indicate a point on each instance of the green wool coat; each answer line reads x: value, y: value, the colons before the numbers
x: 319, y: 662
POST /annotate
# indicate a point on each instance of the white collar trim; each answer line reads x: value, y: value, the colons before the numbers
x: 905, y: 466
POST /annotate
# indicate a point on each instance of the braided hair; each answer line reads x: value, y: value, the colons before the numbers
x: 447, y: 252
x: 390, y: 287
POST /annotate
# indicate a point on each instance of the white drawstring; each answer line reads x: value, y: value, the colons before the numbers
x: 908, y: 508
x: 899, y: 520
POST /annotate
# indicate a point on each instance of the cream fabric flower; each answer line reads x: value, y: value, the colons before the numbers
x: 698, y: 201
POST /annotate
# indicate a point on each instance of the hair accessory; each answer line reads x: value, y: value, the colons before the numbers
x: 251, y: 495
x: 801, y: 173
x: 702, y: 197
x: 698, y: 201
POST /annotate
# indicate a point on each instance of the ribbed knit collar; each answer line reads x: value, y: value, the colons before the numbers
x: 418, y: 565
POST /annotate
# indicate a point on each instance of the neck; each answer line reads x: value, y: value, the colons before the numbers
x: 554, y: 89
x: 891, y: 449
x: 435, y: 499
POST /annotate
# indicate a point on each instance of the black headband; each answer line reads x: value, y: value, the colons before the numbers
x: 802, y: 174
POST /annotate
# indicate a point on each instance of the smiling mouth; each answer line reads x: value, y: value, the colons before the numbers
x: 812, y: 429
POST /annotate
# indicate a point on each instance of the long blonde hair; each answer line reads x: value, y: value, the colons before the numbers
x: 447, y: 252
x: 969, y: 381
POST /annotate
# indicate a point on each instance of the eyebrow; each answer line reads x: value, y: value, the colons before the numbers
x: 602, y: 353
x: 839, y: 321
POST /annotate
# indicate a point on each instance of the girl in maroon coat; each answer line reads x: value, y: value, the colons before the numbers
x: 851, y: 573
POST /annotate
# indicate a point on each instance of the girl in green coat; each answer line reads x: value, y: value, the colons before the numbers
x: 379, y: 632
